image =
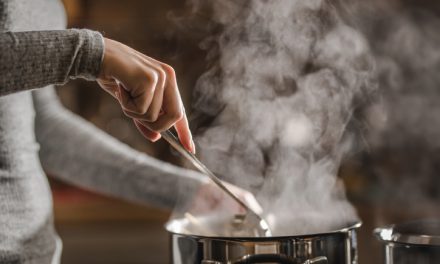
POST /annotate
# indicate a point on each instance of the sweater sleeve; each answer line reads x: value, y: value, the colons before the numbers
x: 36, y: 59
x: 77, y: 152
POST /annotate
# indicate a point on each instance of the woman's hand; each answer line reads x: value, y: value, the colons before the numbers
x: 147, y: 91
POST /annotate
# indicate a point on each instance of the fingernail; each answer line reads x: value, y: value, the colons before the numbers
x: 193, y: 147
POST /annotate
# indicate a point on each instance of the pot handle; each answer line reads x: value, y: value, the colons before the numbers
x: 317, y: 260
x: 282, y: 259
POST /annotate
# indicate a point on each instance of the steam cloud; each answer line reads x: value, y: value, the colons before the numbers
x: 405, y: 135
x: 285, y: 79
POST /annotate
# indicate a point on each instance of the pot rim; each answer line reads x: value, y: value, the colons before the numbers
x: 411, y: 233
x: 353, y: 225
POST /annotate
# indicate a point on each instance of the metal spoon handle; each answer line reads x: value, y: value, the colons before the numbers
x: 175, y: 143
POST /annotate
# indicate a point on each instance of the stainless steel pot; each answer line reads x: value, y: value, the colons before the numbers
x: 336, y: 247
x: 412, y: 242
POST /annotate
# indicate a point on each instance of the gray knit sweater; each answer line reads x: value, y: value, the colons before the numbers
x: 36, y: 131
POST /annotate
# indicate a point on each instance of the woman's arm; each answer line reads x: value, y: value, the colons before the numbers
x: 36, y: 59
x: 79, y: 153
x: 146, y: 88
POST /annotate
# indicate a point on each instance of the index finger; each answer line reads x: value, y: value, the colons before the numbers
x: 184, y: 133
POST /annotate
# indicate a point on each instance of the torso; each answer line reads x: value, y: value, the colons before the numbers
x: 26, y: 230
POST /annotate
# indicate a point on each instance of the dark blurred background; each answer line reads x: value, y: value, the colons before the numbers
x: 97, y: 229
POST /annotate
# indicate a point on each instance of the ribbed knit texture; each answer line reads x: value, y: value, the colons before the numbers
x: 36, y: 132
x: 48, y: 57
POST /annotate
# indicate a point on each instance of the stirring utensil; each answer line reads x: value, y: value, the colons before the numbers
x: 251, y: 219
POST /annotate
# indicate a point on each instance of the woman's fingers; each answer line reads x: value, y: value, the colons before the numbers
x: 138, y: 92
x: 146, y: 90
x: 144, y: 104
x: 172, y: 110
x: 147, y: 133
x: 166, y: 120
x: 184, y: 134
x: 156, y: 104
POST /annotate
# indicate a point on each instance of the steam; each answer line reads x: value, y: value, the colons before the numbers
x: 284, y: 81
x: 405, y: 139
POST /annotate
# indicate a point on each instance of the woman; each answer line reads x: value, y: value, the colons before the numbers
x: 36, y: 131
